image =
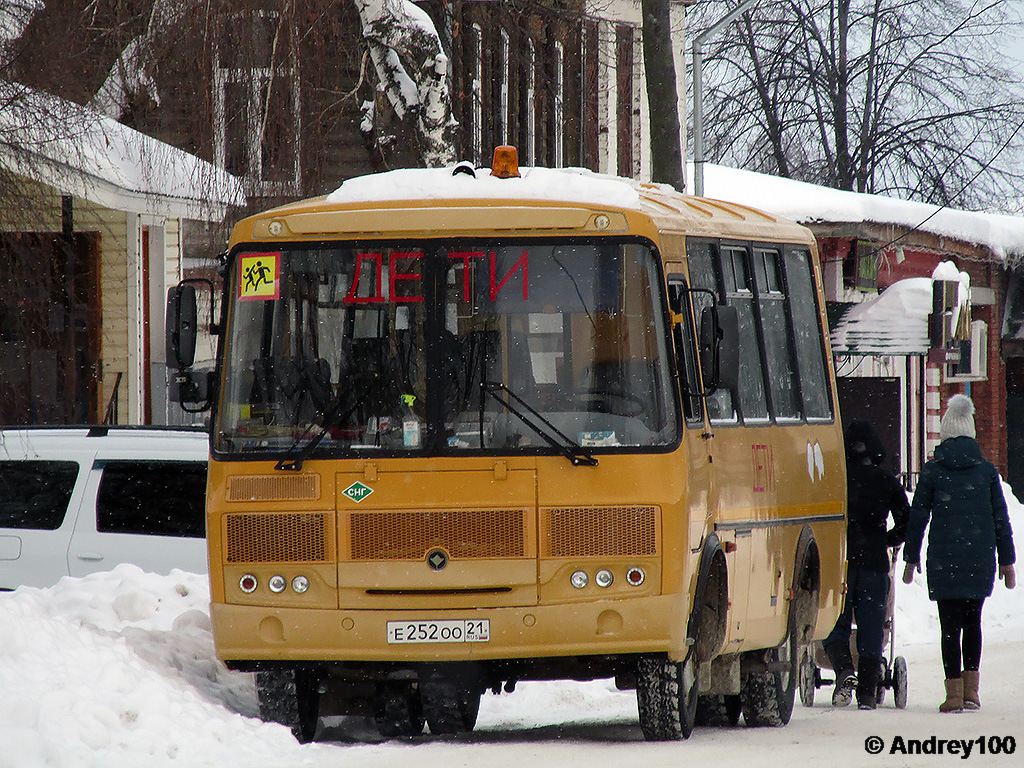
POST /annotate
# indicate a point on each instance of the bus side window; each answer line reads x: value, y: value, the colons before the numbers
x: 806, y: 322
x: 686, y: 350
x: 702, y: 257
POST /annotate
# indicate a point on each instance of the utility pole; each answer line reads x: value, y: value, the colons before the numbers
x: 698, y: 92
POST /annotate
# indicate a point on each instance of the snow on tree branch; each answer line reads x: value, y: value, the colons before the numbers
x: 132, y: 72
x: 413, y: 70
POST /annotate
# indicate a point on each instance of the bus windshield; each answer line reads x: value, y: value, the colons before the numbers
x: 441, y: 347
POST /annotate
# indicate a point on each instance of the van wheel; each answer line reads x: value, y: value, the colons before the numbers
x: 290, y: 697
x: 666, y: 695
x: 768, y: 695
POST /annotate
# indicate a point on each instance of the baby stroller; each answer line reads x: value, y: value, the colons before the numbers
x: 894, y: 668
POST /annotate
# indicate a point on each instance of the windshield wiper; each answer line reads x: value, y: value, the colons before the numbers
x: 569, y: 448
x: 333, y: 415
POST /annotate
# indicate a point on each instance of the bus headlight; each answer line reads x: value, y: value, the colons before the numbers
x: 604, y: 578
x: 579, y: 579
x: 248, y: 583
x: 300, y: 584
x: 277, y: 584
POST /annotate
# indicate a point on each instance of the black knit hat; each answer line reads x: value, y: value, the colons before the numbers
x: 862, y: 442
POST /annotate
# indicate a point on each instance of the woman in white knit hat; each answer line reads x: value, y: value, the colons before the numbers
x: 960, y: 492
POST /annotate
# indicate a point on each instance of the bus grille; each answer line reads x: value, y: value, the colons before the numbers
x: 277, y: 538
x: 462, y: 533
x: 273, y: 488
x: 599, y: 532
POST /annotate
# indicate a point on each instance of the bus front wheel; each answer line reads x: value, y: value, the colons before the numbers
x: 290, y: 697
x: 666, y: 695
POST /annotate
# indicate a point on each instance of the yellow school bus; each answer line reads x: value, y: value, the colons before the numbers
x: 480, y: 426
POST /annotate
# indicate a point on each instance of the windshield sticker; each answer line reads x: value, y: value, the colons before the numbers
x: 259, y: 276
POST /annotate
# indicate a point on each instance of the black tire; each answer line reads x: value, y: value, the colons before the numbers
x: 449, y: 706
x: 290, y: 697
x: 399, y: 711
x: 718, y: 710
x: 768, y: 696
x: 808, y: 677
x: 666, y: 694
x: 899, y: 682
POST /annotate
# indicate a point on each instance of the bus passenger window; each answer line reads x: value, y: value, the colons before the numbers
x: 777, y: 334
x: 753, y: 403
x: 702, y: 259
x: 810, y: 353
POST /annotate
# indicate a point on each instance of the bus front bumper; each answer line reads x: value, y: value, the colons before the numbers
x: 642, y: 625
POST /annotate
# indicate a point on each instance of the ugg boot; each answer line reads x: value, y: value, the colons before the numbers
x: 954, y: 696
x: 971, y: 698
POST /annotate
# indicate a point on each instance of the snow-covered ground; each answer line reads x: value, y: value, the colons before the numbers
x: 117, y: 669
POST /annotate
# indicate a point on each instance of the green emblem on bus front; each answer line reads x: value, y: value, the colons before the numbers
x: 358, y: 491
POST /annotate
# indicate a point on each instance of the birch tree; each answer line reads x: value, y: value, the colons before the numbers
x: 909, y: 98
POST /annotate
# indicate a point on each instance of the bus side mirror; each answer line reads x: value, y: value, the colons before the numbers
x: 182, y: 326
x: 719, y: 347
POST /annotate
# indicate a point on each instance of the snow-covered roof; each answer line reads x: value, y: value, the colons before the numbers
x: 563, y: 184
x: 82, y: 153
x: 811, y: 204
x: 896, y: 321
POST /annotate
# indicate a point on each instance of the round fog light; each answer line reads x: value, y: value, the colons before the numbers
x: 604, y: 578
x: 248, y: 583
x: 300, y: 584
x: 579, y: 579
x: 635, y: 576
x: 277, y: 584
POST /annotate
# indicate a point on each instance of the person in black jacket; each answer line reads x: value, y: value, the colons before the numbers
x: 962, y: 495
x: 873, y: 494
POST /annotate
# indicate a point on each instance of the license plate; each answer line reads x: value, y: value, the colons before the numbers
x: 444, y: 631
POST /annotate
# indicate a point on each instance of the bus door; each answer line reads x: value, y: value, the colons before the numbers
x: 696, y: 438
x: 728, y: 509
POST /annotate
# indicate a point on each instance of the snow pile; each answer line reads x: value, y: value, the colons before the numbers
x: 118, y: 669
x: 565, y: 184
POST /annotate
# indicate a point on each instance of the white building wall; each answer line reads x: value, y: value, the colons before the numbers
x: 628, y: 11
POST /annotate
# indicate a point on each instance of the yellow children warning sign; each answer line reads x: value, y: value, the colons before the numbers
x: 259, y: 276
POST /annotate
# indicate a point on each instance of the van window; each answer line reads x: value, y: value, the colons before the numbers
x: 155, y: 498
x: 35, y: 494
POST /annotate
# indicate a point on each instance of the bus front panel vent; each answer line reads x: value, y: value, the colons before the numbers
x: 273, y: 488
x: 277, y: 537
x: 464, y: 534
x: 599, y: 532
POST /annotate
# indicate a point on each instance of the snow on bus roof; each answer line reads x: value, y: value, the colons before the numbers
x: 573, y: 185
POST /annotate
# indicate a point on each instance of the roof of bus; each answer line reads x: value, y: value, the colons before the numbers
x: 537, y: 188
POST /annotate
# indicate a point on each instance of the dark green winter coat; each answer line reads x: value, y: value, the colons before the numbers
x: 961, y: 493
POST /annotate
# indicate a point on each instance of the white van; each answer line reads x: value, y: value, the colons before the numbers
x: 75, y: 500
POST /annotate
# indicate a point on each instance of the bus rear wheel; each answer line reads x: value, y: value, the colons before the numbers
x: 666, y: 695
x: 768, y: 695
x: 399, y: 710
x: 449, y: 706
